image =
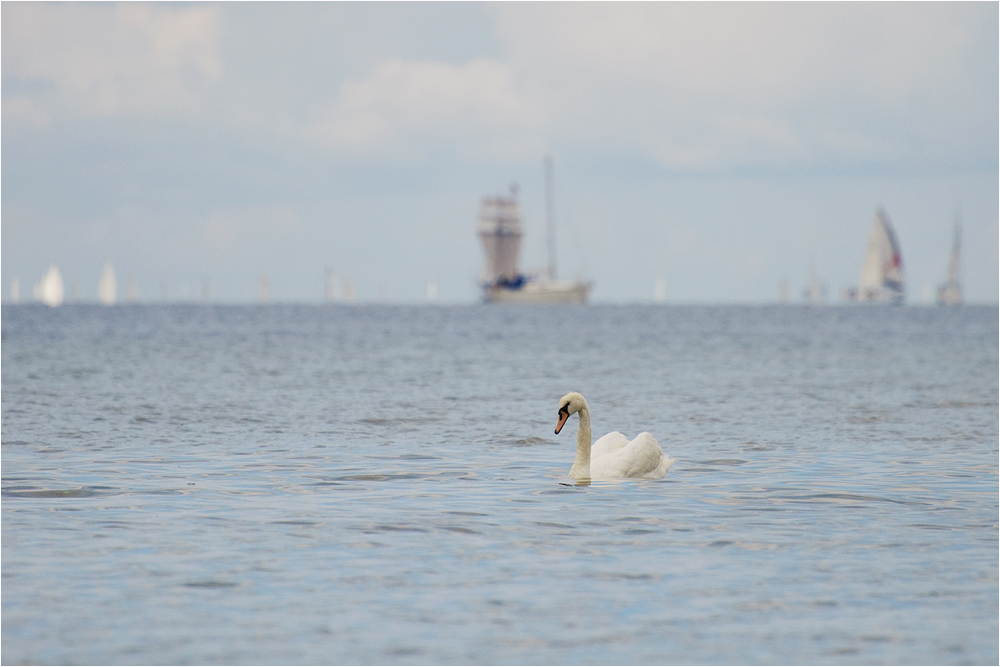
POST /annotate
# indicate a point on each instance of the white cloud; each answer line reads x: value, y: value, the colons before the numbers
x: 703, y: 85
x: 95, y: 60
x: 475, y: 109
x: 26, y: 110
x: 693, y: 86
x: 767, y: 54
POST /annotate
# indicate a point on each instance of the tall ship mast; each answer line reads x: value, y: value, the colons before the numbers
x: 550, y: 217
x: 500, y: 232
x: 881, y: 279
x: 950, y: 292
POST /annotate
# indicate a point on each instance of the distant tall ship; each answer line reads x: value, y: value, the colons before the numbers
x: 500, y: 232
x: 950, y: 292
x: 881, y: 279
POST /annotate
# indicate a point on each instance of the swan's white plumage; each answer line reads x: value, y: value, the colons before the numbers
x: 617, y: 457
x: 613, y: 456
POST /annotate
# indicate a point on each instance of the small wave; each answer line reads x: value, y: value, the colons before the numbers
x: 79, y: 492
x: 211, y: 584
x: 530, y: 442
x: 379, y: 477
x: 295, y: 523
x: 837, y: 497
x: 390, y: 528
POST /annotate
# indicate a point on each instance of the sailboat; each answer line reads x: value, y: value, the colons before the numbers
x: 50, y: 290
x: 881, y: 279
x: 500, y: 232
x: 815, y: 292
x: 107, y: 288
x: 950, y: 292
x: 263, y: 290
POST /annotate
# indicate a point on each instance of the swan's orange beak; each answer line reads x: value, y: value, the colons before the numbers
x: 563, y: 416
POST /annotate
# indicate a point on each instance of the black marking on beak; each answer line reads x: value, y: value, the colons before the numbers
x: 563, y: 416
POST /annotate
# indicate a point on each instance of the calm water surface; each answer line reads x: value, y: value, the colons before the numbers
x: 299, y: 484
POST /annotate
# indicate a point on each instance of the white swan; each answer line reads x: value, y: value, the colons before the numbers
x: 613, y: 456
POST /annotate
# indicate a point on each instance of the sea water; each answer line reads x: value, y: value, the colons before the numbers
x: 373, y: 484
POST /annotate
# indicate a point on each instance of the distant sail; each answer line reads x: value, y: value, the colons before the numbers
x: 882, y: 272
x: 332, y: 286
x: 50, y: 290
x: 107, y: 289
x: 263, y: 290
x: 816, y: 292
x: 950, y: 292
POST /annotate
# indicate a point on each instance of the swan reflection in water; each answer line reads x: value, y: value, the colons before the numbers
x: 613, y: 456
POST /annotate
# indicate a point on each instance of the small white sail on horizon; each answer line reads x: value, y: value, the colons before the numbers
x: 50, y: 289
x: 107, y: 288
x: 816, y: 291
x: 950, y: 292
x: 263, y: 289
x: 332, y: 286
x: 881, y: 279
x: 660, y: 289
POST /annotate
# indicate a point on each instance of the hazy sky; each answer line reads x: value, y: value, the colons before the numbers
x: 722, y: 147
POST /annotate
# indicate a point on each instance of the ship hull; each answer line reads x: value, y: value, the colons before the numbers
x: 881, y: 295
x: 539, y: 293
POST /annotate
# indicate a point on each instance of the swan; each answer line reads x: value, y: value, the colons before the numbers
x: 613, y: 456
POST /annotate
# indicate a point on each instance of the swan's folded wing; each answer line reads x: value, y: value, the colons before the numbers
x: 637, y: 458
x: 608, y: 444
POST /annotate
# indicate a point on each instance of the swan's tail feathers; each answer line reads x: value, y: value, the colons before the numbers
x: 665, y: 463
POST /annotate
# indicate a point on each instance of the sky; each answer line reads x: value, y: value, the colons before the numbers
x: 720, y: 148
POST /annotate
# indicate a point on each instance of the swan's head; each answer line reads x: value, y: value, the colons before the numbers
x: 569, y: 404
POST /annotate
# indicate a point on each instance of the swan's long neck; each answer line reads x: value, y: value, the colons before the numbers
x: 581, y: 465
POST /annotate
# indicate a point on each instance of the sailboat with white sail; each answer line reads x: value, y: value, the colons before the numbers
x: 816, y: 291
x: 950, y: 292
x: 107, y: 288
x: 500, y: 232
x: 881, y: 279
x: 50, y: 289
